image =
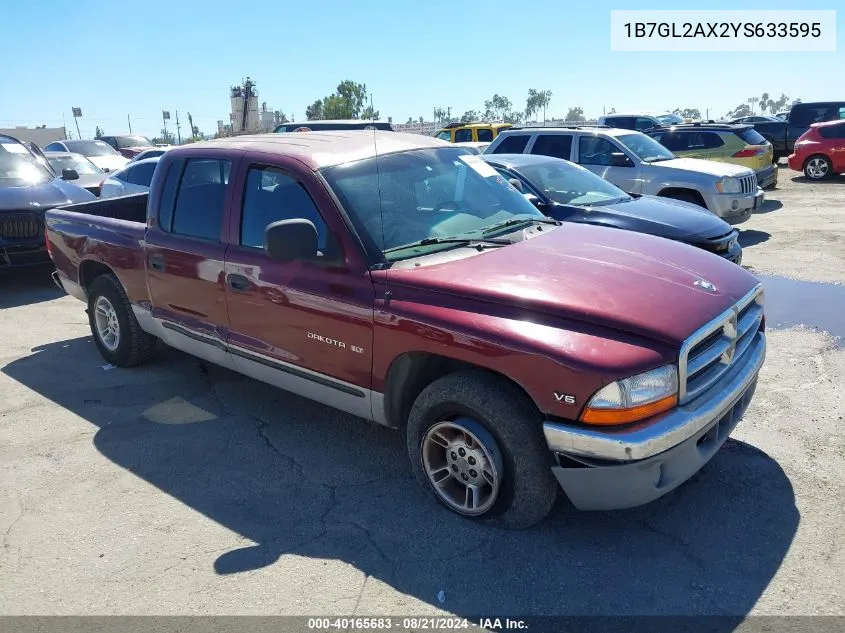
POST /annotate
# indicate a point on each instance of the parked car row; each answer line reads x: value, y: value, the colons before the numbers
x: 518, y: 348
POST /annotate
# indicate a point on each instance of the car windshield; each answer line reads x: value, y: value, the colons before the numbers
x: 427, y: 195
x: 19, y: 168
x: 670, y: 119
x: 648, y: 150
x: 133, y: 141
x: 82, y: 165
x: 90, y: 148
x: 569, y: 184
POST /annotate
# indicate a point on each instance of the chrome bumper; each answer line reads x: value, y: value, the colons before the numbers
x: 656, y: 456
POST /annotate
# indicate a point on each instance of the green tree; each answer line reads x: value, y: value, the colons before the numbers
x: 688, y: 113
x: 575, y: 114
x: 469, y: 116
x: 497, y: 107
x: 315, y: 110
x: 355, y: 96
x: 779, y: 104
x: 410, y: 120
x: 540, y: 101
x: 369, y: 113
x: 98, y: 133
x: 612, y: 111
x: 336, y: 107
x: 743, y: 109
x: 765, y: 102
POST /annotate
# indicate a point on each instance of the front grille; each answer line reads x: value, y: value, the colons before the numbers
x: 719, y: 345
x: 721, y: 244
x: 748, y: 184
x: 21, y: 226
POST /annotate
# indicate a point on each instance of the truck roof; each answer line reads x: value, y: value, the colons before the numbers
x: 323, y: 149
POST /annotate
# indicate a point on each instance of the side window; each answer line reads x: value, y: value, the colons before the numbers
x: 463, y: 135
x: 54, y: 147
x: 593, y: 150
x: 675, y: 141
x: 445, y: 135
x: 125, y: 175
x: 711, y: 140
x: 804, y: 116
x: 624, y: 122
x: 109, y: 140
x: 642, y: 123
x: 514, y: 144
x: 168, y: 195
x: 484, y: 135
x: 198, y: 211
x: 557, y: 145
x: 841, y: 113
x: 271, y: 195
x: 141, y: 174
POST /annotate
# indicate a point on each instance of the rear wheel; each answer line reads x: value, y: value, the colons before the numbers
x: 117, y: 334
x: 817, y: 167
x: 475, y: 444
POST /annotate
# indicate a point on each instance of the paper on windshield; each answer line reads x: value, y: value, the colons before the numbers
x: 14, y: 148
x: 478, y: 165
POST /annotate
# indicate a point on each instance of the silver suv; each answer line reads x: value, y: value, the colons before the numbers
x: 638, y: 164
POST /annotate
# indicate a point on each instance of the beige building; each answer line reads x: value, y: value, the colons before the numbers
x: 41, y: 136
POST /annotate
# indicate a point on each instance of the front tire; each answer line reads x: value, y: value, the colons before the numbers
x: 817, y: 167
x: 117, y: 333
x: 475, y: 443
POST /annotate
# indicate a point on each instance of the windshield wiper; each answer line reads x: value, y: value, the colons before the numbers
x: 515, y: 221
x: 468, y: 241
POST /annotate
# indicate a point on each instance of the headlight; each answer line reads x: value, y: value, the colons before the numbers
x: 728, y: 185
x: 634, y: 398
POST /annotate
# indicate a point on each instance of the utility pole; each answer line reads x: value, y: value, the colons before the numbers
x: 129, y: 121
x: 178, y: 133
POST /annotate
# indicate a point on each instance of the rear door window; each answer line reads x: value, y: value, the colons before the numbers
x: 642, y: 123
x: 751, y: 136
x: 624, y: 122
x: 674, y: 141
x: 141, y: 174
x: 201, y: 197
x: 513, y: 144
x: 484, y: 135
x: 557, y: 145
x: 463, y: 136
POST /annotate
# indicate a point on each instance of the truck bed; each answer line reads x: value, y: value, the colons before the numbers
x: 129, y: 208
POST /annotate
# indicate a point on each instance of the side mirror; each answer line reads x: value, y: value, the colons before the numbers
x: 619, y: 159
x: 533, y: 200
x: 70, y: 174
x: 288, y: 240
x: 517, y: 183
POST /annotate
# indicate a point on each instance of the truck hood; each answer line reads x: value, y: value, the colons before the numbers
x: 52, y: 193
x: 672, y: 219
x: 711, y: 167
x: 627, y: 281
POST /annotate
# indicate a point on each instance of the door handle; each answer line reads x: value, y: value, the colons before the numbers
x: 238, y: 282
x: 157, y: 262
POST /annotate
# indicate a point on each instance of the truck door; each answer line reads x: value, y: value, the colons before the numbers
x: 305, y: 326
x: 185, y: 254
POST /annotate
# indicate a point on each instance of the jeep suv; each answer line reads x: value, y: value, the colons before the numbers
x: 639, y: 165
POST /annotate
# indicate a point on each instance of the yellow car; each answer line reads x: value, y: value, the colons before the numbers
x: 724, y: 142
x: 471, y: 132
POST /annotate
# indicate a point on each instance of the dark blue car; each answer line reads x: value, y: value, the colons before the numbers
x: 27, y: 190
x: 568, y: 192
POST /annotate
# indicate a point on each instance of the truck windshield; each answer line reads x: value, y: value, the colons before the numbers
x: 90, y: 148
x: 648, y: 150
x: 427, y: 195
x: 133, y: 141
x: 19, y: 168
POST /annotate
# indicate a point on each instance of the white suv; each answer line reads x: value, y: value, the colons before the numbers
x: 638, y: 164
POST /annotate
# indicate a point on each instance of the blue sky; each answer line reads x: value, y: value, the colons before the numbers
x: 138, y: 58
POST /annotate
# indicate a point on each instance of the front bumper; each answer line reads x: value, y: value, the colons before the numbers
x: 735, y: 208
x: 767, y: 177
x: 625, y: 468
x: 795, y: 163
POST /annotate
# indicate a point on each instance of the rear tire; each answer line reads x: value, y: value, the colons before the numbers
x: 117, y: 333
x: 503, y: 456
x: 817, y: 167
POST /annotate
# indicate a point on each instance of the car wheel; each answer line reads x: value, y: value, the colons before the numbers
x: 687, y: 196
x: 117, y: 333
x: 817, y: 167
x: 475, y: 444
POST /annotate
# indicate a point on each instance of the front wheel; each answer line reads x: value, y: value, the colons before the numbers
x: 117, y: 333
x: 475, y: 443
x: 817, y: 168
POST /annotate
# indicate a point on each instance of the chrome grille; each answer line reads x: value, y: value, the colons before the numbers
x: 719, y: 345
x: 20, y: 226
x: 748, y: 184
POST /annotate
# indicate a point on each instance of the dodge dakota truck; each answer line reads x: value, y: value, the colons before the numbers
x: 405, y: 281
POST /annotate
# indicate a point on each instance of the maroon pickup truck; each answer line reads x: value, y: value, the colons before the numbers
x: 403, y: 280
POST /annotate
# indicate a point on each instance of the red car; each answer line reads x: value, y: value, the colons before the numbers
x: 820, y: 151
x: 128, y: 146
x: 403, y: 280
